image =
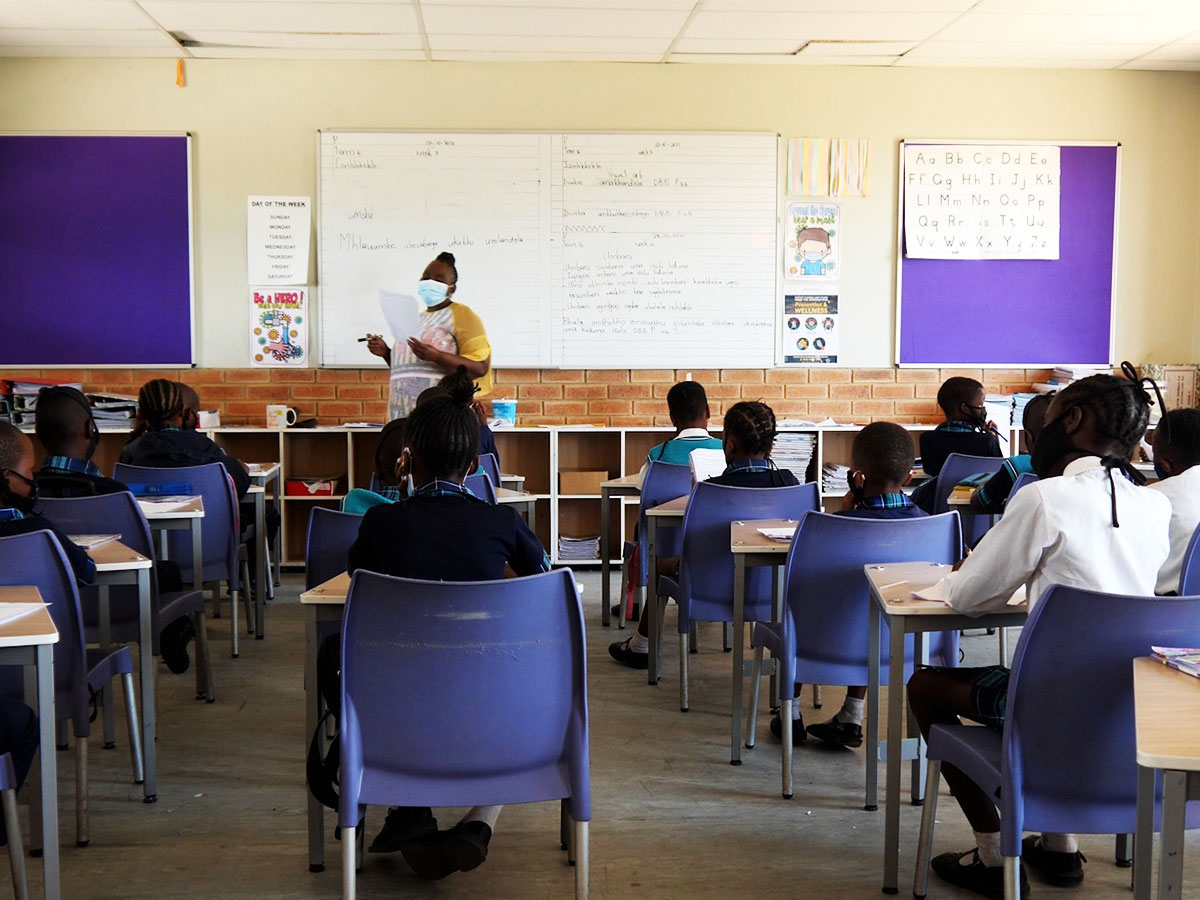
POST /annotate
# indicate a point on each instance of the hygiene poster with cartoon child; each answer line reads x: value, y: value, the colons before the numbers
x: 279, y: 327
x: 813, y: 242
x: 809, y: 329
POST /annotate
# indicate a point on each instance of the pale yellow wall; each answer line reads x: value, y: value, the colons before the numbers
x: 254, y: 123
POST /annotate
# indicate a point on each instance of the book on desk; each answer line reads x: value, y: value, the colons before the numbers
x: 1183, y: 659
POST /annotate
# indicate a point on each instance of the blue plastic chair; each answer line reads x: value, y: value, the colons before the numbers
x: 480, y: 484
x: 327, y: 546
x: 462, y: 694
x: 824, y: 638
x: 120, y: 514
x: 16, y: 854
x: 957, y: 467
x: 1189, y: 573
x: 663, y: 482
x: 1023, y: 480
x: 704, y: 589
x: 491, y: 467
x: 37, y: 559
x: 220, y: 534
x: 1066, y: 761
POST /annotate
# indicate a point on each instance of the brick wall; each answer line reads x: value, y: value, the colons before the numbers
x: 631, y: 397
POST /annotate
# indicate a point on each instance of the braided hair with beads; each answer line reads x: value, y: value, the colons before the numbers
x: 753, y: 424
x: 444, y: 430
x: 159, y: 401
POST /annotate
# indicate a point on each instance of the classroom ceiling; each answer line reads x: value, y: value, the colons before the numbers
x: 1082, y: 34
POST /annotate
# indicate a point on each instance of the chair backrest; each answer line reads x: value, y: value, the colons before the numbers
x: 1189, y: 574
x: 460, y: 694
x: 375, y: 483
x: 957, y: 467
x: 327, y: 548
x: 220, y: 528
x: 481, y: 485
x: 828, y: 597
x: 663, y: 482
x: 1023, y: 480
x: 706, y: 563
x: 37, y: 559
x: 1070, y: 697
x: 491, y: 467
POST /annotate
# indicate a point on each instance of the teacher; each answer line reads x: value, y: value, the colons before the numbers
x: 451, y: 335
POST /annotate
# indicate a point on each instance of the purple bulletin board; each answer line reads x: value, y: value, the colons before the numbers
x: 95, y: 251
x: 1021, y: 312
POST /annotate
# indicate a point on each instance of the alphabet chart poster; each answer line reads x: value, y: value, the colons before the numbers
x: 813, y: 243
x: 981, y: 201
x: 279, y: 327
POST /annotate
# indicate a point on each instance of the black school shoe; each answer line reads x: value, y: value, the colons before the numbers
x: 616, y: 612
x: 987, y: 881
x: 172, y: 644
x: 621, y: 653
x: 1059, y: 869
x: 403, y: 823
x: 839, y: 734
x: 799, y: 736
x: 459, y: 849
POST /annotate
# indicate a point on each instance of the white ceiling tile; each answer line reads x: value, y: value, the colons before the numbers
x: 302, y: 53
x: 837, y: 6
x: 566, y: 22
x: 1026, y: 51
x: 548, y: 43
x: 278, y: 15
x: 636, y: 5
x: 71, y: 14
x: 855, y: 48
x: 265, y: 39
x: 818, y: 26
x: 83, y: 52
x: 1173, y: 65
x: 1055, y: 28
x: 789, y: 60
x: 1000, y: 62
x: 738, y: 45
x: 546, y: 56
x: 93, y: 37
x: 1087, y: 7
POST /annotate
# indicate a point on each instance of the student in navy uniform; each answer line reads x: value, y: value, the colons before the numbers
x: 441, y: 532
x: 68, y: 432
x: 687, y: 403
x: 966, y: 430
x: 388, y: 488
x: 881, y: 461
x: 993, y: 493
x: 749, y: 436
x: 18, y: 496
x: 1083, y: 525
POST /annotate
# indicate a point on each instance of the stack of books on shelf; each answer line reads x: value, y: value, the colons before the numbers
x: 578, y: 548
x: 794, y: 451
x: 23, y: 404
x: 113, y: 407
x: 835, y: 479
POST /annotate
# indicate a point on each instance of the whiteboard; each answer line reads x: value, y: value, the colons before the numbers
x: 577, y: 250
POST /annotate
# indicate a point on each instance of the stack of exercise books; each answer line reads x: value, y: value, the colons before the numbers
x: 578, y: 548
x: 1019, y: 402
x: 1185, y: 659
x: 113, y: 407
x: 835, y: 479
x: 24, y: 398
x: 794, y: 451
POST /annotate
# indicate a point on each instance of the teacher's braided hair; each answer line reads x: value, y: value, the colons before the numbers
x: 448, y: 259
x: 159, y: 401
x: 753, y: 424
x: 444, y: 431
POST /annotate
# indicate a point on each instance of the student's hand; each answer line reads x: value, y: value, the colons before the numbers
x: 378, y: 346
x: 424, y: 351
x: 480, y: 412
x: 991, y: 426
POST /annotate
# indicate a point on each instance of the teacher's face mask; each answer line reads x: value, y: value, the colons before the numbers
x: 432, y: 292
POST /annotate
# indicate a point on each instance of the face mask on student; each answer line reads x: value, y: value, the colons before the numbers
x: 432, y: 292
x: 13, y: 499
x: 1051, y: 445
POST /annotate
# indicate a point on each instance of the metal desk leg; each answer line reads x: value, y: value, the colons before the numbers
x: 531, y: 518
x: 40, y: 696
x: 197, y: 530
x: 277, y: 556
x: 262, y: 574
x: 605, y: 612
x: 651, y: 611
x: 874, y: 654
x: 1143, y: 839
x: 739, y: 643
x: 895, y: 749
x: 146, y: 665
x: 1170, y: 864
x: 917, y: 784
x: 312, y: 712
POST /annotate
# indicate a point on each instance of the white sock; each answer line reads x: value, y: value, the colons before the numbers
x: 852, y: 710
x: 486, y: 814
x: 1060, y: 843
x: 988, y: 843
x: 639, y: 643
x: 797, y: 713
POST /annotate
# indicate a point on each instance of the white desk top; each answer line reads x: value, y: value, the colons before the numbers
x: 892, y: 585
x: 260, y: 473
x: 1166, y: 706
x: 193, y: 509
x: 671, y: 509
x: 744, y: 536
x: 116, y: 557
x: 329, y: 593
x: 35, y: 628
x: 507, y: 495
x: 625, y: 481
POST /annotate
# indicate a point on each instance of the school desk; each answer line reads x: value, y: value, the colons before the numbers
x: 1166, y: 709
x: 512, y: 482
x: 263, y: 474
x: 891, y: 588
x: 184, y: 517
x: 626, y: 486
x: 666, y: 514
x: 29, y: 641
x: 118, y: 564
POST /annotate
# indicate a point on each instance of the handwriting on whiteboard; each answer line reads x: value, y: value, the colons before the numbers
x: 981, y: 201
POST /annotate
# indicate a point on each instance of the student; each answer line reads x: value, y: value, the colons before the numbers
x: 1081, y: 525
x: 1176, y: 455
x: 18, y: 496
x: 993, y: 493
x: 387, y: 457
x: 191, y: 407
x: 687, y: 403
x: 749, y: 435
x: 441, y: 532
x: 452, y: 335
x: 69, y: 435
x: 881, y: 461
x: 966, y: 430
x: 487, y: 441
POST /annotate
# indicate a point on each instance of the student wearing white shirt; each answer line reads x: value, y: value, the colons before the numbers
x: 1176, y: 459
x: 1084, y: 525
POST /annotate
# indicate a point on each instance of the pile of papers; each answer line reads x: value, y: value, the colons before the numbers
x: 835, y: 479
x: 578, y: 548
x: 23, y: 398
x: 113, y: 407
x: 1019, y: 402
x: 794, y: 451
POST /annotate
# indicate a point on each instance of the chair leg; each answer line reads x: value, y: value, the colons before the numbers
x: 933, y: 775
x: 216, y: 599
x: 693, y: 638
x: 816, y: 689
x: 135, y: 733
x: 683, y: 673
x: 1124, y: 851
x: 248, y: 599
x: 349, y: 870
x: 233, y: 628
x: 105, y: 698
x: 755, y: 683
x: 16, y: 853
x: 81, y: 792
x: 62, y: 737
x: 204, y: 671
x: 1012, y: 875
x: 564, y: 825
x: 581, y: 861
x: 727, y: 636
x: 621, y: 601
x: 787, y: 723
x: 571, y: 847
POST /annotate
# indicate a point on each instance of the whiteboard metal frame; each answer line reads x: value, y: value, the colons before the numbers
x: 191, y: 247
x: 1112, y: 299
x: 320, y: 285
